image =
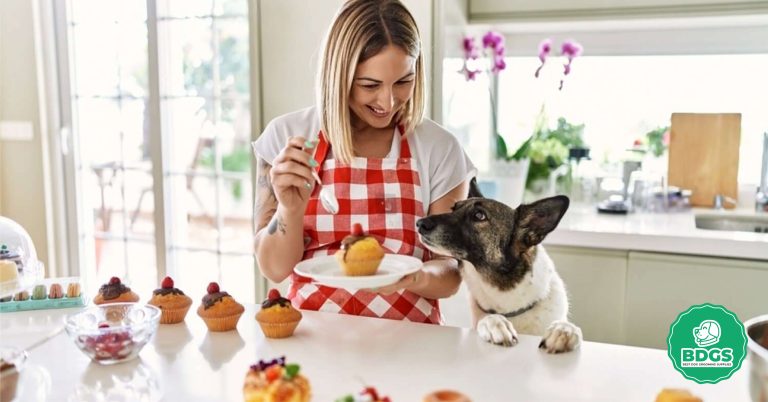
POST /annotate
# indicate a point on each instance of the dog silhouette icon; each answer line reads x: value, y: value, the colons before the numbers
x: 707, y: 333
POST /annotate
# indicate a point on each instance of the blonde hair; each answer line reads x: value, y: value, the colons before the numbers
x: 360, y: 30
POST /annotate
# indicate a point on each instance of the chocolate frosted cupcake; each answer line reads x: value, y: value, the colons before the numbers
x: 115, y: 292
x: 360, y: 255
x: 173, y: 303
x: 219, y: 310
x: 277, y: 317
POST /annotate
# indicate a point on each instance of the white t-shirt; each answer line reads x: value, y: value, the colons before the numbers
x: 442, y: 163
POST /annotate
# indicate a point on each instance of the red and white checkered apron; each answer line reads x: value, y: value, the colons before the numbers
x: 384, y: 196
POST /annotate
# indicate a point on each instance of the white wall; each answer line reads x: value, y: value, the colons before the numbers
x: 24, y: 192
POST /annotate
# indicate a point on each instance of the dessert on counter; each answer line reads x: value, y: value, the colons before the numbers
x: 277, y: 317
x: 446, y: 395
x: 171, y: 301
x: 676, y: 395
x: 360, y: 254
x: 369, y: 394
x: 219, y: 310
x: 268, y: 381
x: 115, y: 291
x: 9, y: 377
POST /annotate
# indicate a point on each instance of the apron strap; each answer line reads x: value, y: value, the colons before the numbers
x: 321, y: 152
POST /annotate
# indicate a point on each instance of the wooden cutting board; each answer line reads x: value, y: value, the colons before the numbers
x: 704, y: 155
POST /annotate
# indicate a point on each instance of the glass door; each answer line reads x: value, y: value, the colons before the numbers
x: 157, y: 94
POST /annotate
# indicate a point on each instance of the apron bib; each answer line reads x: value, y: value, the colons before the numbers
x: 384, y: 196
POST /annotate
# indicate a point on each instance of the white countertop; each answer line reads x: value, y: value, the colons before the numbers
x: 403, y: 360
x: 674, y: 232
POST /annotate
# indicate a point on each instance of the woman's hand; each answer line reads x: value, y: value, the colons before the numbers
x: 291, y: 174
x: 408, y: 282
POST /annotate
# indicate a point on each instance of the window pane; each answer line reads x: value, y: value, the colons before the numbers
x: 97, y: 122
x: 619, y: 99
x: 132, y: 57
x: 189, y: 132
x: 134, y: 123
x: 187, y: 57
x: 96, y: 66
x: 192, y: 219
x: 193, y: 270
x: 142, y: 268
x: 183, y: 9
x: 232, y: 38
x: 99, y: 11
x: 237, y: 212
x: 231, y: 7
x: 110, y: 260
x: 140, y: 204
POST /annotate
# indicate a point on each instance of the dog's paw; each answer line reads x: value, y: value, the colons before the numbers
x: 561, y: 336
x: 497, y: 329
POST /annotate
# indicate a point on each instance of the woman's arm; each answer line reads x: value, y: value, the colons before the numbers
x: 438, y: 278
x: 282, y: 193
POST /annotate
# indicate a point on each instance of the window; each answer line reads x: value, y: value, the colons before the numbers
x: 203, y: 83
x: 632, y: 77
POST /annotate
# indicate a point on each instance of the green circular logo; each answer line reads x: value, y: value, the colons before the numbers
x: 707, y: 343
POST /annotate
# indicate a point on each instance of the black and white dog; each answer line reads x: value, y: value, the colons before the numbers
x: 512, y: 281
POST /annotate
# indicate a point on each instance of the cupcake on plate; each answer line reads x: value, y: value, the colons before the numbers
x: 115, y: 292
x: 360, y: 254
x: 277, y: 317
x: 219, y: 310
x: 446, y: 395
x: 171, y: 301
x: 275, y: 381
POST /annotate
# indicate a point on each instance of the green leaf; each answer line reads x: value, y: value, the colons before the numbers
x: 522, y: 151
x: 501, y: 147
x: 291, y: 370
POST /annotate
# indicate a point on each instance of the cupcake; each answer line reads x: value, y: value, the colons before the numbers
x: 115, y: 292
x: 360, y: 255
x: 275, y: 381
x: 369, y: 394
x: 39, y: 292
x: 56, y: 291
x: 219, y: 310
x: 446, y: 396
x: 676, y: 395
x: 173, y: 303
x: 73, y: 290
x: 277, y: 317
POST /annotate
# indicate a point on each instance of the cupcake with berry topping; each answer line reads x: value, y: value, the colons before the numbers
x: 269, y: 381
x: 369, y: 394
x: 219, y: 310
x: 360, y: 254
x: 115, y: 291
x: 277, y: 317
x: 173, y: 303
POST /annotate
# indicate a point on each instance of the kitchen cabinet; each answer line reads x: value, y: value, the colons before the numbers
x: 661, y: 286
x: 596, y: 284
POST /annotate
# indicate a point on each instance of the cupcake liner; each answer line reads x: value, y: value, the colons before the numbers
x: 174, y: 315
x: 221, y: 324
x: 278, y: 329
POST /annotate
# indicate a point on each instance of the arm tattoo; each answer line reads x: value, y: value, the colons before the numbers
x: 265, y: 204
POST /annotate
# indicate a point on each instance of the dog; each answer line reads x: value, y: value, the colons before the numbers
x: 512, y: 282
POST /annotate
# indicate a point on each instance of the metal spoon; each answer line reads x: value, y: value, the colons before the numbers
x: 327, y: 198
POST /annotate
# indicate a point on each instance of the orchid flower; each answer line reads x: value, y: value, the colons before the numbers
x: 544, y: 48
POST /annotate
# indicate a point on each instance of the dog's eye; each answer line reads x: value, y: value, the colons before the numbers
x: 480, y: 216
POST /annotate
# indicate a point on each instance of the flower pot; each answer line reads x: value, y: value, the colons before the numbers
x: 509, y: 177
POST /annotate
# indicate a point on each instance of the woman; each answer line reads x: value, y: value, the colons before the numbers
x: 387, y: 165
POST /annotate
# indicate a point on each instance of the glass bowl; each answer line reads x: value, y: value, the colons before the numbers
x: 12, y: 364
x: 113, y: 333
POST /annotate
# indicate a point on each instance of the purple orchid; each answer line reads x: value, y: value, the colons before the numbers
x: 544, y: 48
x: 493, y: 40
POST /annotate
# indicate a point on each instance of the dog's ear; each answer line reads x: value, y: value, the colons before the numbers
x: 534, y: 221
x: 474, y: 189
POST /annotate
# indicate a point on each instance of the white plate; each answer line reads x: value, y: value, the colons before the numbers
x: 326, y: 271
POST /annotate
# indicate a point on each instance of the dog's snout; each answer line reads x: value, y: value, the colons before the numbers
x: 425, y: 225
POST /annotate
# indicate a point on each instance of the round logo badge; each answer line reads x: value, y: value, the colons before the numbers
x: 707, y: 343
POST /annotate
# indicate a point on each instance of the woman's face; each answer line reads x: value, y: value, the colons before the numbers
x: 382, y: 86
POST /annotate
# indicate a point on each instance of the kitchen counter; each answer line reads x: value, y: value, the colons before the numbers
x: 339, y: 354
x: 674, y: 232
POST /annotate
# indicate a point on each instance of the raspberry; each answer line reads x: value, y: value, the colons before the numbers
x: 114, y: 280
x: 167, y: 283
x: 357, y: 229
x: 273, y: 373
x: 273, y: 294
x: 213, y: 287
x: 103, y: 325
